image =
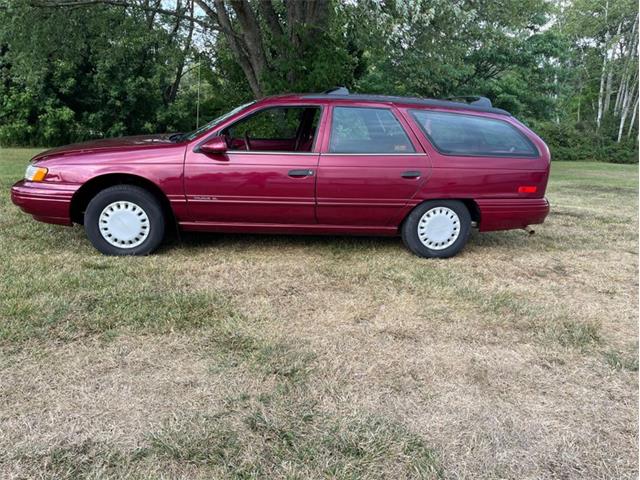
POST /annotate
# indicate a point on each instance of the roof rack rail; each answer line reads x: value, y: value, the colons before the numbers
x: 337, y: 91
x: 480, y: 104
x: 472, y: 100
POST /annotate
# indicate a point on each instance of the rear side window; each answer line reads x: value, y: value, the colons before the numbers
x: 456, y: 134
x: 367, y: 130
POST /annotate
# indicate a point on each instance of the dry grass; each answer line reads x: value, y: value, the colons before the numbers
x: 309, y: 357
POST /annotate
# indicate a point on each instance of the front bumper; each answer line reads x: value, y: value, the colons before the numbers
x: 508, y: 213
x: 47, y: 202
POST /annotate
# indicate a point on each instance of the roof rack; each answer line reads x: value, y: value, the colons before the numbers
x: 472, y: 100
x: 477, y: 103
x: 337, y: 91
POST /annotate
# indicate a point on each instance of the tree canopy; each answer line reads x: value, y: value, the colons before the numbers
x: 77, y: 69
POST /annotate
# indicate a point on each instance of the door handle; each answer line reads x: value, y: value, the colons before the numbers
x: 411, y: 174
x: 300, y: 173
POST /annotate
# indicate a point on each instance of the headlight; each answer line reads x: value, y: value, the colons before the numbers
x: 35, y: 174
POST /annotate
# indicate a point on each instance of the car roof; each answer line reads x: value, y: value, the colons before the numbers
x: 395, y: 100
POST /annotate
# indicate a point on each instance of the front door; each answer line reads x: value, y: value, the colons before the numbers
x: 267, y: 176
x: 369, y: 169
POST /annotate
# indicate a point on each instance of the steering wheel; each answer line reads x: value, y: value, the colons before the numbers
x: 247, y: 143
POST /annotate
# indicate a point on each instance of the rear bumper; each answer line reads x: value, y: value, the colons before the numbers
x: 50, y: 203
x: 505, y: 214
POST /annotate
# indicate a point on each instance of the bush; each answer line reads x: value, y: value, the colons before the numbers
x: 624, y: 152
x: 564, y: 141
x: 580, y: 142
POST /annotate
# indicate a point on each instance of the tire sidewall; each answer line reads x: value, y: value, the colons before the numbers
x: 131, y: 193
x: 410, y: 229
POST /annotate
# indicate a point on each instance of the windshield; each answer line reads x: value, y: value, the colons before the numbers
x: 214, y: 122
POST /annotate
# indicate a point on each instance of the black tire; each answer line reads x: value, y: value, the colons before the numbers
x: 130, y: 196
x: 410, y: 229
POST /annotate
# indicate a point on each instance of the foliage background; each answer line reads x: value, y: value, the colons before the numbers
x: 74, y: 70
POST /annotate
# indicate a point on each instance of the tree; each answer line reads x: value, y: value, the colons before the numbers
x: 263, y: 36
x: 443, y: 48
x: 607, y: 35
x: 67, y: 75
x: 74, y: 69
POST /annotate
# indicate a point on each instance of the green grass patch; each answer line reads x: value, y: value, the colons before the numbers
x: 577, y: 334
x: 622, y: 360
x: 234, y: 345
x: 71, y: 461
x: 276, y: 442
x: 71, y: 303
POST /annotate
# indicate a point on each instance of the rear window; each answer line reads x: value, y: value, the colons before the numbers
x: 367, y: 130
x: 456, y: 134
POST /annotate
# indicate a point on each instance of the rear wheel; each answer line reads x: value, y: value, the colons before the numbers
x: 124, y: 220
x: 437, y: 228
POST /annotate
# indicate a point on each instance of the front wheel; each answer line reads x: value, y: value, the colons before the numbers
x: 437, y: 228
x: 124, y: 220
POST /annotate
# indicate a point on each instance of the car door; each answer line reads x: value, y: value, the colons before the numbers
x: 371, y: 165
x: 267, y: 175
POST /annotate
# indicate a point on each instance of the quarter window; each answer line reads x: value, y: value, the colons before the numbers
x: 457, y: 134
x: 367, y: 130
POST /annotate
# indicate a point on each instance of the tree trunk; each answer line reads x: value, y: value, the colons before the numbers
x: 603, y: 73
x: 612, y: 57
x: 623, y: 117
x: 252, y: 35
x: 607, y: 89
x: 625, y: 111
x: 633, y: 118
x: 235, y: 43
x: 629, y: 52
x: 601, y: 94
x: 173, y: 92
x: 308, y: 17
x: 271, y: 18
x: 619, y: 93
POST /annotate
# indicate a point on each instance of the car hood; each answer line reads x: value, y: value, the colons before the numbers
x: 107, y: 144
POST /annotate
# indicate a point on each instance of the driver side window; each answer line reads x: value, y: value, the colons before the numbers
x: 279, y: 129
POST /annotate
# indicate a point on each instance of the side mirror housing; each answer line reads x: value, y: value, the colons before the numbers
x: 213, y: 145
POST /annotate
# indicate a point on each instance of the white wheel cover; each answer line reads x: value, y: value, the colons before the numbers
x: 439, y: 228
x: 124, y: 224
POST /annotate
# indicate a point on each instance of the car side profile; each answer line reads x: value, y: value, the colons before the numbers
x: 329, y: 163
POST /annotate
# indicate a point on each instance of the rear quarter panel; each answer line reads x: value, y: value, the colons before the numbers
x: 492, y: 182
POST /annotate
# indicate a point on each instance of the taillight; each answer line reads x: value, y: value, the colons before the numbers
x: 527, y: 189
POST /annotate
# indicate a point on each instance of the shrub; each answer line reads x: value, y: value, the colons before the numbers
x: 581, y: 143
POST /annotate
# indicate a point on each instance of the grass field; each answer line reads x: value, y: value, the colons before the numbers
x: 232, y: 356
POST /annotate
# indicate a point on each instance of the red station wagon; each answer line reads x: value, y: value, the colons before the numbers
x: 330, y: 163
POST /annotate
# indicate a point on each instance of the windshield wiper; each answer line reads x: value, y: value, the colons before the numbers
x: 176, y: 137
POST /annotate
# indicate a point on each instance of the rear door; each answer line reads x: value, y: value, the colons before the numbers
x: 268, y: 174
x: 371, y: 165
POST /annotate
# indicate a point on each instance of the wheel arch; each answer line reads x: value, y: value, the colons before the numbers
x: 474, y: 209
x: 92, y: 187
x: 470, y: 203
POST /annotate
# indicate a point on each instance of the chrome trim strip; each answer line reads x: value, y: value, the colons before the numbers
x: 416, y: 154
x: 369, y: 204
x: 202, y: 199
x: 263, y: 152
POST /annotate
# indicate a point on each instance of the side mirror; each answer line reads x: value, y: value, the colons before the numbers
x: 213, y: 145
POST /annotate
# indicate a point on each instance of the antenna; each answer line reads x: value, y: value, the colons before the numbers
x: 198, y: 98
